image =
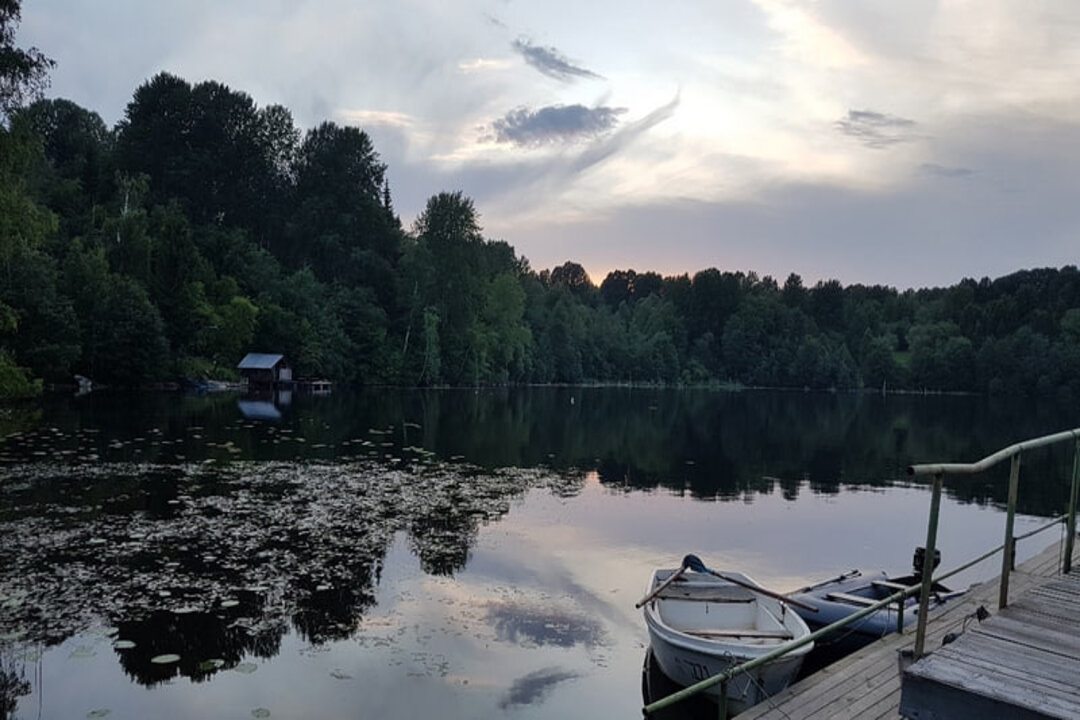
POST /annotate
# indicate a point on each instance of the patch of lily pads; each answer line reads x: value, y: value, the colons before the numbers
x: 250, y: 547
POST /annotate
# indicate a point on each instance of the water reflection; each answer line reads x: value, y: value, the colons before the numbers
x: 531, y: 688
x: 704, y: 443
x: 207, y: 643
x: 527, y: 625
x: 215, y: 562
x: 183, y: 525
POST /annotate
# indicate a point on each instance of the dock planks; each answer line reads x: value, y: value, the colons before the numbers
x: 1023, y: 662
x: 866, y: 684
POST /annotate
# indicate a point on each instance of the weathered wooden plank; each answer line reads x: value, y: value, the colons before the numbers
x: 862, y: 706
x: 1049, y: 639
x: 1040, y: 616
x: 819, y: 696
x: 1027, y: 664
x: 978, y: 684
x: 736, y: 633
x: 954, y: 702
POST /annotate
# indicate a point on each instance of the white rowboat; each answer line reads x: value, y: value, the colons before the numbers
x: 700, y: 625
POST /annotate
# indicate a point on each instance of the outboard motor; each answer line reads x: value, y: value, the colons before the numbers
x: 918, y: 563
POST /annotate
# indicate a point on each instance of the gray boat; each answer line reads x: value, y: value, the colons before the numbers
x: 845, y: 595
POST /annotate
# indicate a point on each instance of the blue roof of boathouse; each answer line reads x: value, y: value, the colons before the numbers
x: 260, y: 361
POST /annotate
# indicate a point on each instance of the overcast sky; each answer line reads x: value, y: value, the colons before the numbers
x: 909, y: 143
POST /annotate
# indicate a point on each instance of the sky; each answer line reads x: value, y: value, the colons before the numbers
x: 905, y: 143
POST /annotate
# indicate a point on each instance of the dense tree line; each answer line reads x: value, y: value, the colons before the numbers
x: 202, y: 226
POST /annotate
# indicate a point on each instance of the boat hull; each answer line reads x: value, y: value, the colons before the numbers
x: 875, y: 625
x: 685, y: 667
x: 702, y: 626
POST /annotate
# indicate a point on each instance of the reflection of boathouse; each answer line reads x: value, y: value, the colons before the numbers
x: 265, y: 370
x: 264, y: 405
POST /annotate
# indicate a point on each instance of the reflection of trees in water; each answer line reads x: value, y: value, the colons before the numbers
x: 243, y: 551
x: 724, y: 444
x: 205, y: 642
x: 13, y: 684
x: 702, y: 442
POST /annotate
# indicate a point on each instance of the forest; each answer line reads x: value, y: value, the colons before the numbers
x: 203, y: 226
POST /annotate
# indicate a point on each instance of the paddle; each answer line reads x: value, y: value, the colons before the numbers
x: 660, y: 588
x: 694, y: 563
x: 839, y: 578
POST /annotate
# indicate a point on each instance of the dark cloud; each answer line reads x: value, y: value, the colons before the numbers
x: 551, y: 62
x: 555, y: 124
x: 495, y: 21
x: 877, y: 130
x: 532, y: 688
x: 946, y: 171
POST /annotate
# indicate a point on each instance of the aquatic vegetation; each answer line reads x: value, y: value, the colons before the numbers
x: 198, y: 561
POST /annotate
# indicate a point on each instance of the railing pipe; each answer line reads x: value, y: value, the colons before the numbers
x: 1070, y: 520
x: 1008, y: 557
x: 990, y: 460
x: 928, y: 564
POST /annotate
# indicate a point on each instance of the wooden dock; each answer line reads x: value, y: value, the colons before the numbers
x: 866, y: 684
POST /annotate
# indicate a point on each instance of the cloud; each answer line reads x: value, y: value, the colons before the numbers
x: 555, y: 124
x: 945, y: 171
x: 496, y: 22
x: 481, y: 64
x: 551, y: 62
x: 877, y: 130
x: 532, y: 688
x: 381, y: 118
x: 625, y: 135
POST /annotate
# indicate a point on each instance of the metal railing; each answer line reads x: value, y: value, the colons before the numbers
x: 1007, y: 548
x: 1008, y: 556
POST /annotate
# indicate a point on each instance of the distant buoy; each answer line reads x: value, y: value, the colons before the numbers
x: 571, y: 399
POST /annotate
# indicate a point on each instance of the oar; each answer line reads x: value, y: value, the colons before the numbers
x: 694, y: 563
x: 660, y: 588
x: 838, y: 578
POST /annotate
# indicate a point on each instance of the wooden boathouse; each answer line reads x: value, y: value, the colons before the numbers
x: 265, y: 370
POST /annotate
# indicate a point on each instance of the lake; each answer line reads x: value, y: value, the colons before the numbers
x: 452, y: 553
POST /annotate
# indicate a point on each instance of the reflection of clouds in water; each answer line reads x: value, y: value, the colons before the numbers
x: 541, y: 625
x: 530, y: 689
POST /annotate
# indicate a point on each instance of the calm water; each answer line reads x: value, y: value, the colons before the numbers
x: 451, y: 554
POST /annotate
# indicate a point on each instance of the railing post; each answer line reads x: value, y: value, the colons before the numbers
x: 722, y: 710
x: 1008, y: 559
x: 928, y: 564
x: 1070, y: 520
x: 900, y: 614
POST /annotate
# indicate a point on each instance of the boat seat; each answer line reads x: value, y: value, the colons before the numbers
x: 713, y: 597
x: 853, y: 599
x: 742, y: 633
x: 889, y: 585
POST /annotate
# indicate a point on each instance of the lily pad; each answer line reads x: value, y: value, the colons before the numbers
x: 99, y: 713
x: 339, y: 674
x: 166, y: 659
x: 210, y: 665
x: 123, y: 644
x: 229, y: 603
x: 260, y: 713
x: 246, y: 668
